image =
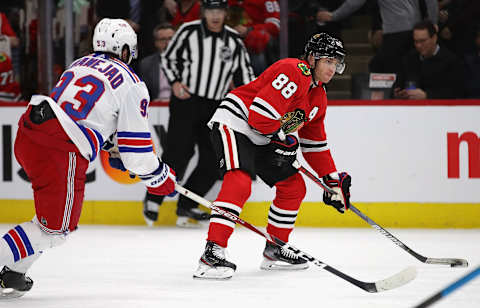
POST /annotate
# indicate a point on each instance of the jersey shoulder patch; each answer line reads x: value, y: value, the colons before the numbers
x: 304, y: 69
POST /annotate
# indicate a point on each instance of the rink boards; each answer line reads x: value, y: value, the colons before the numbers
x: 413, y: 164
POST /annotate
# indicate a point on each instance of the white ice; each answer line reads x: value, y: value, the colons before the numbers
x: 133, y: 266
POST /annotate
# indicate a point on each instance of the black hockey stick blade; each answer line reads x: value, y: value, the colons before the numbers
x: 389, y: 283
x: 453, y: 262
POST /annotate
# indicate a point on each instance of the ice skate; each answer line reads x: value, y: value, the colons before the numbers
x: 213, y: 264
x: 150, y: 211
x: 277, y: 258
x: 193, y: 218
x: 13, y: 284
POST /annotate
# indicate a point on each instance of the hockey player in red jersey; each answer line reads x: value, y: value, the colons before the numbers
x: 252, y: 132
x: 58, y: 136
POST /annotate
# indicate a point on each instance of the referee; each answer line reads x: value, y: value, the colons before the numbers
x: 199, y: 63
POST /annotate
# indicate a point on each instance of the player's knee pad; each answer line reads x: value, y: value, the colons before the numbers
x: 236, y: 187
x: 292, y: 188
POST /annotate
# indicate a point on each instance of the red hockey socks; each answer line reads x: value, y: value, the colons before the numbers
x: 236, y: 188
x: 284, y: 208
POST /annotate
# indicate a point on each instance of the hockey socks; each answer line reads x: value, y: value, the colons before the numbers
x: 284, y: 208
x: 236, y: 189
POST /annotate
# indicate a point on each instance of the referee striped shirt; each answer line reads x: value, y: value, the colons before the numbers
x: 206, y: 61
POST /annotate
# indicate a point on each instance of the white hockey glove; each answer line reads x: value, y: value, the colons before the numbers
x: 340, y: 183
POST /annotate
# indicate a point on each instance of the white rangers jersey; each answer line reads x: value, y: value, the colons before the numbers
x: 97, y: 96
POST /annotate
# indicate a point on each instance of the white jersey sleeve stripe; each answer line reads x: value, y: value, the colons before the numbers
x: 264, y: 108
x: 134, y: 142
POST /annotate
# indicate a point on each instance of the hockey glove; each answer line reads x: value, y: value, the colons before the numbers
x: 340, y: 184
x: 283, y: 153
x: 161, y: 181
x: 113, y: 153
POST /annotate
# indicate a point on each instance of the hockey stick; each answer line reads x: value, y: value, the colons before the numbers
x: 392, y: 282
x: 453, y: 262
x: 450, y: 288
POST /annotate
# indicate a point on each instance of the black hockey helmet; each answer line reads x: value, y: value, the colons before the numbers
x: 322, y: 45
x: 215, y: 4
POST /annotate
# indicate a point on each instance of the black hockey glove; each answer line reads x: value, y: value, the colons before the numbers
x: 283, y: 153
x: 341, y: 200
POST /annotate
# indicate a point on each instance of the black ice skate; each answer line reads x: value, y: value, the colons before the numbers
x: 150, y: 211
x: 213, y: 264
x: 192, y: 218
x: 277, y: 258
x: 13, y: 284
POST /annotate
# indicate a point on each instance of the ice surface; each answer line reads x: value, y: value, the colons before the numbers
x: 120, y: 267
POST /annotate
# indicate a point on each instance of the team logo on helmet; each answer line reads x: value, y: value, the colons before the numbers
x: 225, y: 54
x: 305, y: 70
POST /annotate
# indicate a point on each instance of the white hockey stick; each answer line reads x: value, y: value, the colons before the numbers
x: 453, y: 262
x: 392, y: 282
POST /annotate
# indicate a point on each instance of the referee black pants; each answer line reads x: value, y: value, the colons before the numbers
x: 187, y: 127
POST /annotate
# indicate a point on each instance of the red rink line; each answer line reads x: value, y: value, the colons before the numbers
x: 363, y: 103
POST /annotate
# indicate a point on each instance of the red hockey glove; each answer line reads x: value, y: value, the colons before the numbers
x: 161, y: 181
x: 341, y: 200
x: 283, y: 153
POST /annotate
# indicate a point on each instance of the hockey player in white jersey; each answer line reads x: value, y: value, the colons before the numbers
x: 58, y: 136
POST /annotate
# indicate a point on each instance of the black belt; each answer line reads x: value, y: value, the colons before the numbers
x: 41, y: 113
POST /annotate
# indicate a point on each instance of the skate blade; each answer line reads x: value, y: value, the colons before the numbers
x: 207, y: 272
x: 186, y: 222
x: 9, y: 293
x: 269, y: 265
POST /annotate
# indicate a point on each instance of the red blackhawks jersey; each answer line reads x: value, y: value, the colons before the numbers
x: 282, y: 97
x: 263, y: 17
x: 9, y: 88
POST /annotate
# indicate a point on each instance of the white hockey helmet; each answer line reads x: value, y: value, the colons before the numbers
x: 111, y: 35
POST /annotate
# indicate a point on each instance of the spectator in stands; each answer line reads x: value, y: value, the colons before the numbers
x: 304, y: 21
x: 457, y: 25
x: 472, y: 69
x: 150, y: 67
x: 375, y: 35
x: 183, y: 11
x: 141, y: 15
x: 125, y: 9
x: 6, y: 31
x: 398, y: 19
x: 258, y: 23
x: 9, y: 87
x: 429, y: 71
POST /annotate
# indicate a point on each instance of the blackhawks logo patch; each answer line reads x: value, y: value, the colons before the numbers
x: 305, y: 70
x: 3, y: 57
x: 293, y: 121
